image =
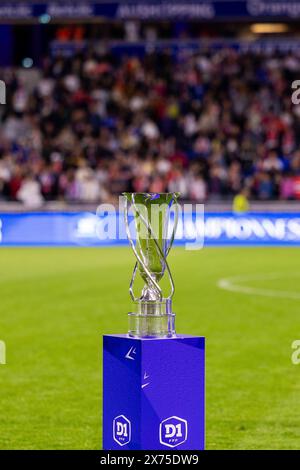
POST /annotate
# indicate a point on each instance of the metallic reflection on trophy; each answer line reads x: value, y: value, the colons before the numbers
x: 153, y: 316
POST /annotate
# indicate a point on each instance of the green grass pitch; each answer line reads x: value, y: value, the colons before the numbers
x: 56, y: 303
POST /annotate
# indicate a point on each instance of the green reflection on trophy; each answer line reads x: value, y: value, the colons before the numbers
x: 153, y: 240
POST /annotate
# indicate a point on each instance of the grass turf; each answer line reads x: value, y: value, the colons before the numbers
x: 56, y: 303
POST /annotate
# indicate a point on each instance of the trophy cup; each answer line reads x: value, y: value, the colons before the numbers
x: 153, y: 378
x: 153, y: 315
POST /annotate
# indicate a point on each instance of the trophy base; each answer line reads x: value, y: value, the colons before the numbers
x: 151, y: 326
x: 152, y: 319
x: 153, y: 393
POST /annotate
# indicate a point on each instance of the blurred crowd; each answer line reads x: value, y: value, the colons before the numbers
x: 209, y: 125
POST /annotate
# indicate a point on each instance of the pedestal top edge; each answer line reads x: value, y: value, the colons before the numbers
x: 178, y: 336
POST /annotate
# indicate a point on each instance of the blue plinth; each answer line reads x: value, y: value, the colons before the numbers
x: 153, y: 393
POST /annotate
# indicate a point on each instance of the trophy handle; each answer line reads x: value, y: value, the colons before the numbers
x: 174, y: 229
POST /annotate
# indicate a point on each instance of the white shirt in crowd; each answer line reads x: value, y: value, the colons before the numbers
x: 30, y: 194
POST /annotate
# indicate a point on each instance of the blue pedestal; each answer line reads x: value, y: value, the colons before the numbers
x: 153, y: 393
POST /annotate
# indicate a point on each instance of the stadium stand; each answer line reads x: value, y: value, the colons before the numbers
x: 208, y: 124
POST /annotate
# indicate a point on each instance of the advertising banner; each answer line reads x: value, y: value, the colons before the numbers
x: 87, y: 229
x: 152, y: 10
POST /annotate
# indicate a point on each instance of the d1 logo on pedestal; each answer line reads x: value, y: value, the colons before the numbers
x: 121, y: 430
x: 173, y: 431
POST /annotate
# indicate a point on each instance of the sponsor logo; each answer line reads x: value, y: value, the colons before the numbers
x: 173, y: 431
x: 131, y: 354
x: 156, y: 10
x: 121, y: 430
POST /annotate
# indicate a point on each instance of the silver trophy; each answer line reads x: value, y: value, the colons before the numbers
x: 153, y: 316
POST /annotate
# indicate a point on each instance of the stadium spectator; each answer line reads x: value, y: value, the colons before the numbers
x: 240, y: 203
x: 206, y: 124
x: 30, y: 193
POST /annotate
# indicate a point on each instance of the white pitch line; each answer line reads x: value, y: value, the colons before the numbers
x: 233, y: 284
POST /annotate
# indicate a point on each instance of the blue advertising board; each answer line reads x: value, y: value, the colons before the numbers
x: 87, y: 229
